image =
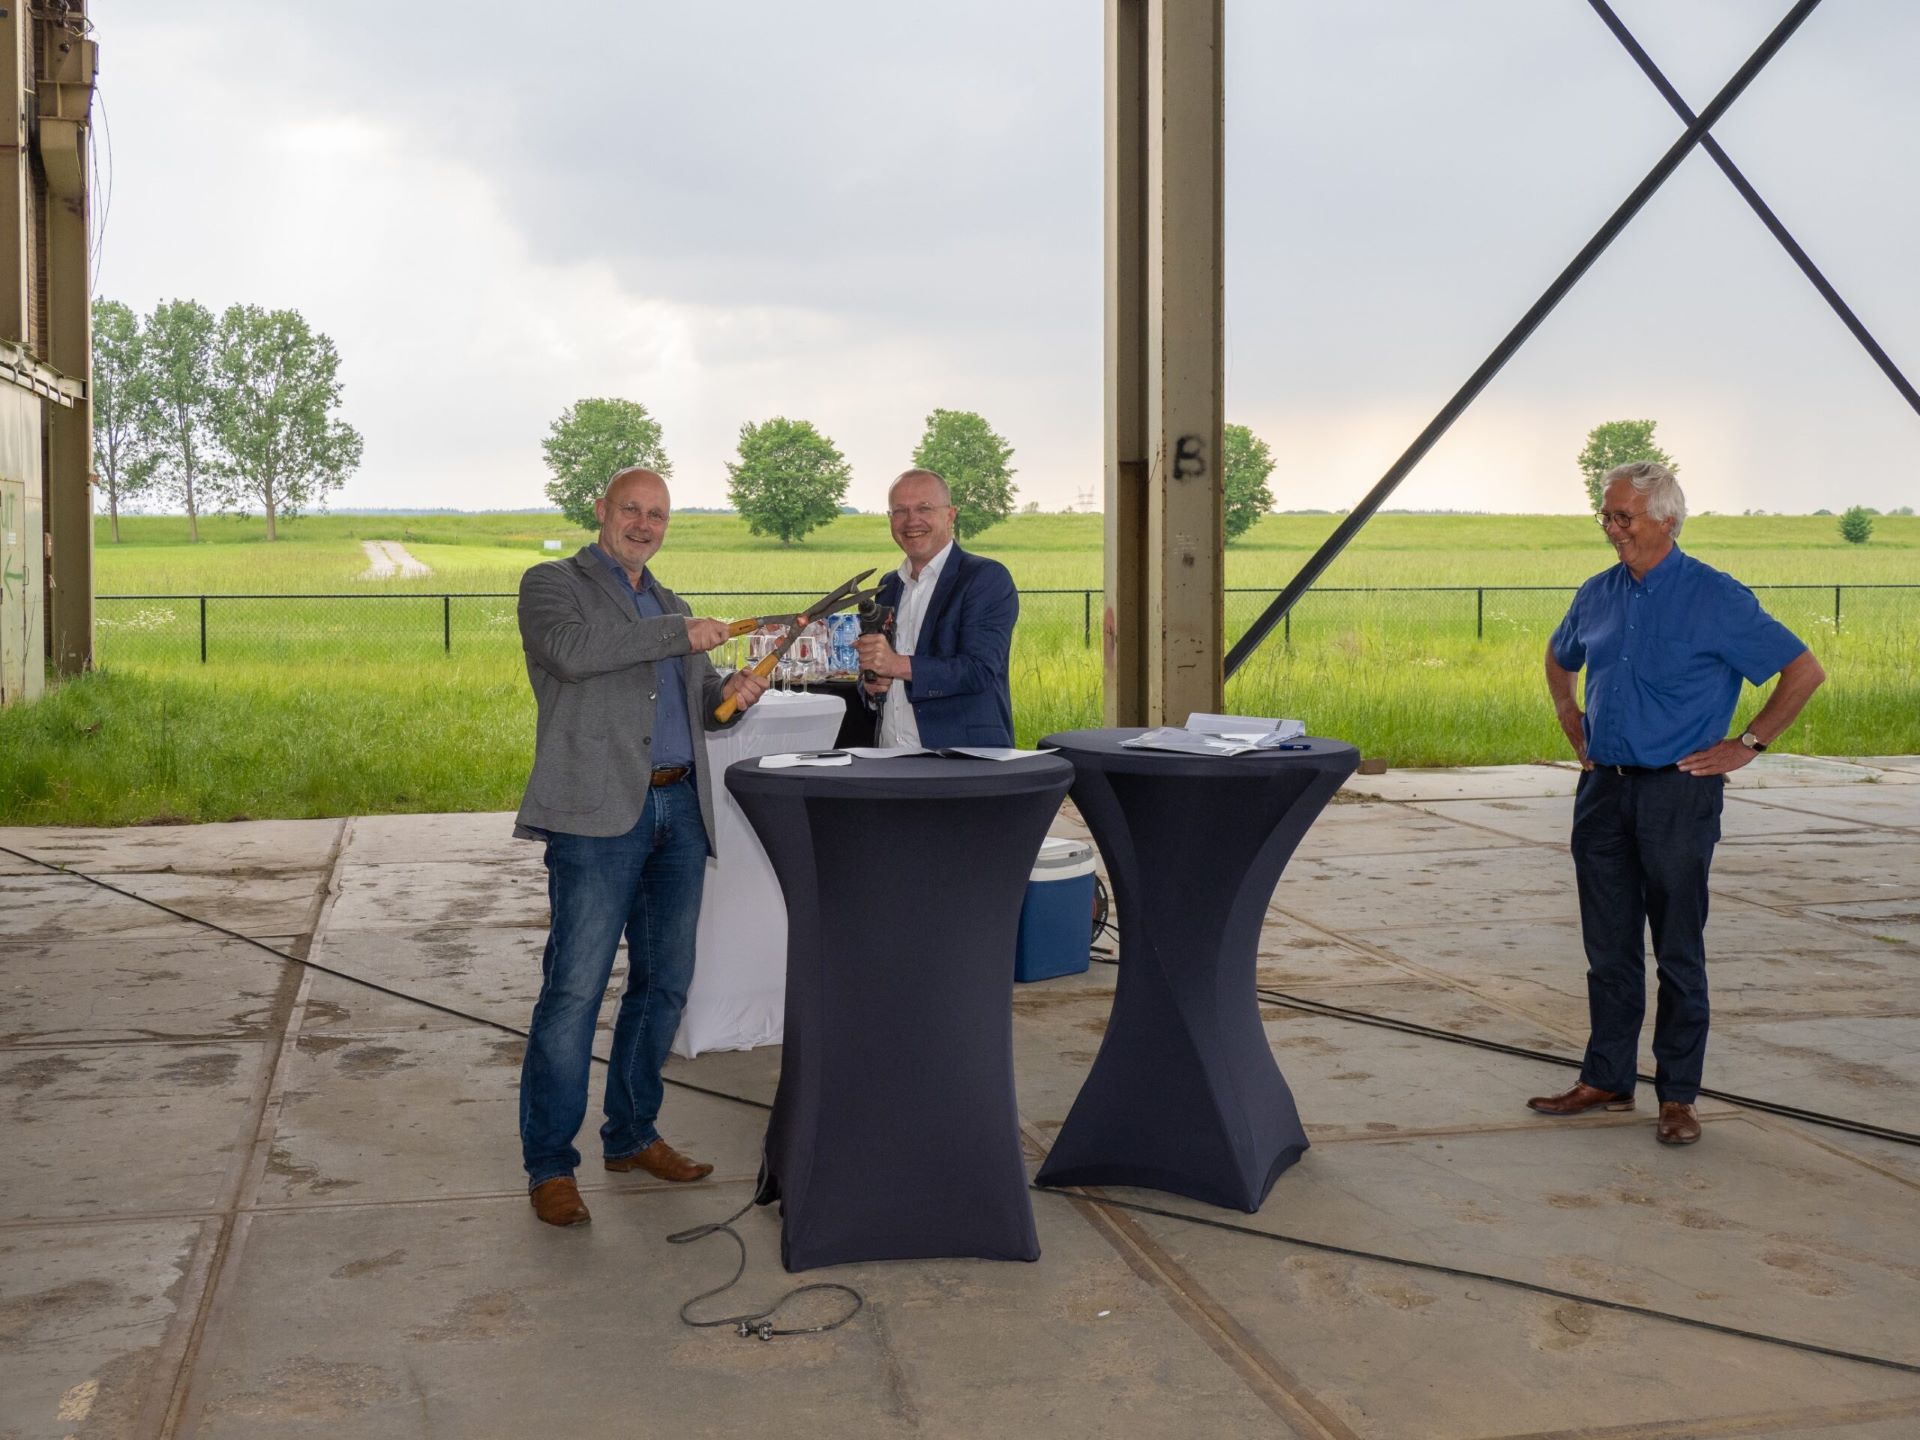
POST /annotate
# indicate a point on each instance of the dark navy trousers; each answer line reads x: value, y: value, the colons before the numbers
x: 1642, y: 846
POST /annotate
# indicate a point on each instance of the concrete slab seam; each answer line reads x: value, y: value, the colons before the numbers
x: 180, y: 1414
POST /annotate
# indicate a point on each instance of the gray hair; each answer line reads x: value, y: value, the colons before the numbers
x: 921, y: 473
x: 1666, y: 503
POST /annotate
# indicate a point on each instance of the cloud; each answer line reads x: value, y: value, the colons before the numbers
x: 856, y: 213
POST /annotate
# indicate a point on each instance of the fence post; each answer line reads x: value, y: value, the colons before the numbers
x: 1480, y: 613
x: 1836, y: 607
x: 1286, y: 633
x: 446, y: 623
x: 203, y: 629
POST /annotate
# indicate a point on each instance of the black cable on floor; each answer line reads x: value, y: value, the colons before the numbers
x: 756, y: 1324
x: 328, y: 970
x: 1411, y: 1027
x: 1432, y: 1032
x: 1457, y: 1273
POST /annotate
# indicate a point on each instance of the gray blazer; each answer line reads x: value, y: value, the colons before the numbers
x: 591, y: 660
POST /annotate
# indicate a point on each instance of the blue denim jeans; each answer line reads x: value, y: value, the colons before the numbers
x: 645, y: 884
x: 1642, y: 847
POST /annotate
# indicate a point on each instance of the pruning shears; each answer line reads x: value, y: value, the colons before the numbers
x: 843, y: 597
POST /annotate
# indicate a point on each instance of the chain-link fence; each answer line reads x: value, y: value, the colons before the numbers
x: 209, y: 629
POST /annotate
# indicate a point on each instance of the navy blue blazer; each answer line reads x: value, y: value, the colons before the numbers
x: 959, y: 688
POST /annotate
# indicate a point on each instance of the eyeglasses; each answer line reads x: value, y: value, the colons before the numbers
x: 1619, y: 519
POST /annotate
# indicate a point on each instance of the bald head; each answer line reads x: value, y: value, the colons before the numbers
x: 921, y: 514
x: 633, y: 475
x: 932, y: 478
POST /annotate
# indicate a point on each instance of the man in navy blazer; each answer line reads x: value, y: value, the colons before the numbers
x: 943, y: 679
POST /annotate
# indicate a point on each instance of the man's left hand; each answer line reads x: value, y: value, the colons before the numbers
x: 744, y: 687
x: 880, y: 657
x: 1719, y: 759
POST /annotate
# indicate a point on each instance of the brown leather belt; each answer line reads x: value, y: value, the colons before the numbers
x: 669, y: 775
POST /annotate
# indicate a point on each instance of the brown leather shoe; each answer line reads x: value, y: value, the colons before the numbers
x: 1580, y: 1099
x: 1678, y: 1124
x: 557, y: 1201
x: 663, y: 1162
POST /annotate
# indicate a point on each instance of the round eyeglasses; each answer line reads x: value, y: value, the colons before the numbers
x: 1619, y: 519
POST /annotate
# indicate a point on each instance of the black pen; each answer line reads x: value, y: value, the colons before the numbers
x: 1290, y: 747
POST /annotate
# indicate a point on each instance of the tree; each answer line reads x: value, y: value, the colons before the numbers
x: 961, y: 447
x: 277, y: 387
x: 591, y: 442
x: 123, y: 452
x: 1245, y: 465
x: 179, y: 347
x: 789, y: 479
x: 1856, y: 525
x: 1618, y: 442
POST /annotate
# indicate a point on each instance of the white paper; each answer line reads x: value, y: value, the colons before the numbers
x: 805, y: 759
x: 884, y: 752
x: 1246, y: 725
x: 991, y: 752
x: 1192, y: 742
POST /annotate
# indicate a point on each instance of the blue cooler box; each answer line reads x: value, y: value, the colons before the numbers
x: 1056, y: 922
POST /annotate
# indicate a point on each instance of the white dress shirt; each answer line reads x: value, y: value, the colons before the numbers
x: 897, y: 725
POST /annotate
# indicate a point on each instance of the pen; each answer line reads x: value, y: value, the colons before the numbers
x: 1292, y: 747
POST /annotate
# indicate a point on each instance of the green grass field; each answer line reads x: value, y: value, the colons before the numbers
x: 352, y: 707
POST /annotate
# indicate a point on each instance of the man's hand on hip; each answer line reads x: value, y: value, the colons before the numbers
x: 743, y: 687
x: 706, y: 634
x: 1719, y: 759
x: 1576, y: 733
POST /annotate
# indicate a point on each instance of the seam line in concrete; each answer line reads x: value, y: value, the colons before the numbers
x: 1279, y: 1388
x: 180, y: 1413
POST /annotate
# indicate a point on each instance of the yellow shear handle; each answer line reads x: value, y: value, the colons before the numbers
x: 763, y: 667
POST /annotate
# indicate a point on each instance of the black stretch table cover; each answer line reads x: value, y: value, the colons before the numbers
x: 894, y: 1134
x: 1184, y: 1094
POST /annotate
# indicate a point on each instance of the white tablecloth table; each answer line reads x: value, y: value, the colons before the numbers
x: 738, y: 998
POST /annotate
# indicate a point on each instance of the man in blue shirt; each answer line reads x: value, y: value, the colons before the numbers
x: 1665, y: 641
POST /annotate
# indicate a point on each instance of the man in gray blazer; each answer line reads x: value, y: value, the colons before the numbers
x: 622, y: 795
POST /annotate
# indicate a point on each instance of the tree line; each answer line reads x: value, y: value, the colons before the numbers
x: 205, y: 413
x: 788, y: 478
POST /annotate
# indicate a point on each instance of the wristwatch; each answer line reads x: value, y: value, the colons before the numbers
x: 1752, y: 741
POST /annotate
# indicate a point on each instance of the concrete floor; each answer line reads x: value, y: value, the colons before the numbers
x: 239, y: 1198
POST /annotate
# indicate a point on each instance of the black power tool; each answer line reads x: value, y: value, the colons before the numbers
x: 875, y: 619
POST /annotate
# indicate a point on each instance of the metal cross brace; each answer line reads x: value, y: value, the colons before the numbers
x: 1695, y: 133
x: 1760, y: 207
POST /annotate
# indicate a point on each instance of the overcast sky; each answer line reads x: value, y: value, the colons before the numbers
x: 854, y: 211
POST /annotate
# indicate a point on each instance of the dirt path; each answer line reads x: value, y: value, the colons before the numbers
x: 387, y: 559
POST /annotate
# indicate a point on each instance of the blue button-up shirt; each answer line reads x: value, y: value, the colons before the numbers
x: 672, y: 735
x: 1664, y: 657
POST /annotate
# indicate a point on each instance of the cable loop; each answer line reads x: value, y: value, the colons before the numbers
x: 755, y: 1324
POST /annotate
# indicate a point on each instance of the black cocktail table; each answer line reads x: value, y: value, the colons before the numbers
x: 1184, y: 1094
x: 894, y: 1134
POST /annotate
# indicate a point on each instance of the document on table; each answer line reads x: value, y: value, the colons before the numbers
x: 1224, y: 735
x: 950, y: 752
x: 805, y: 758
